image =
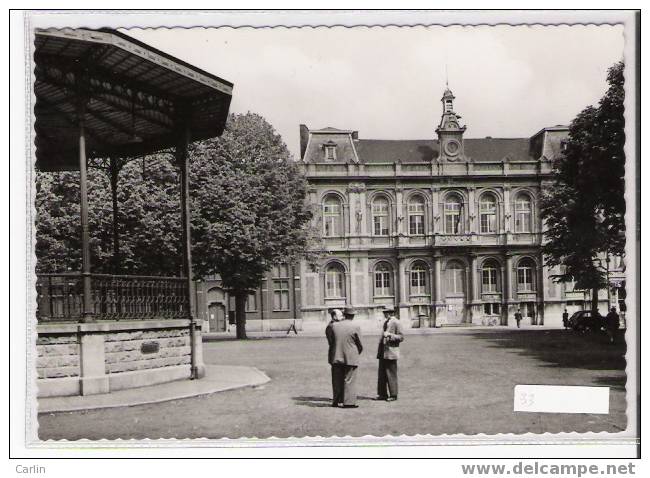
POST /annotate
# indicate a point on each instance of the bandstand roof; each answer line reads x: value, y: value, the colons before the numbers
x: 137, y: 97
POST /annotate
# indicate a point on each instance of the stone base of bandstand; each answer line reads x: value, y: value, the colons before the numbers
x: 102, y: 357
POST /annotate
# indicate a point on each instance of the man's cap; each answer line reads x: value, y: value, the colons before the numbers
x: 388, y: 309
x: 349, y: 311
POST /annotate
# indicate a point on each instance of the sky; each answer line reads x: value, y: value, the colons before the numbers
x: 386, y: 82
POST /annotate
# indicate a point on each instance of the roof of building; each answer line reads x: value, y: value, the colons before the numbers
x: 426, y: 150
x: 135, y: 97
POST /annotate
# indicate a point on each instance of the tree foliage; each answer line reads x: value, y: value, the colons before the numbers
x: 249, y: 206
x: 584, y: 209
x: 148, y: 219
x: 248, y: 212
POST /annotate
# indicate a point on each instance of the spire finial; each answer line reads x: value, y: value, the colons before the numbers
x: 446, y: 76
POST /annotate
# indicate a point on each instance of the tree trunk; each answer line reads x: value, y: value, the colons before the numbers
x: 594, y: 299
x: 240, y: 313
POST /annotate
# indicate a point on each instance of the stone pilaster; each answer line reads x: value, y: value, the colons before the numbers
x: 92, y: 367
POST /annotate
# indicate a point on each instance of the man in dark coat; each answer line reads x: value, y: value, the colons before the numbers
x: 337, y: 389
x: 612, y: 324
x: 518, y: 317
x: 565, y: 319
x: 388, y: 354
x: 344, y: 339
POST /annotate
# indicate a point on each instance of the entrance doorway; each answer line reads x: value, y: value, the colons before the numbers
x: 455, y: 310
x: 528, y: 312
x: 217, y: 317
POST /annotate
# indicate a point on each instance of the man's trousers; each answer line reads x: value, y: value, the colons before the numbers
x: 387, y: 378
x: 344, y: 384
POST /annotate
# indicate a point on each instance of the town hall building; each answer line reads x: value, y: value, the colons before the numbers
x: 447, y: 230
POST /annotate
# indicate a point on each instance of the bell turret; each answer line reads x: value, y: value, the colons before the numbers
x: 450, y: 133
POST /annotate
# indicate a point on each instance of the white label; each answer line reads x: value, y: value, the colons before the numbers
x: 561, y: 399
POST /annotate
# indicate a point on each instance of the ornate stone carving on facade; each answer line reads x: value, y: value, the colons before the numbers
x: 356, y: 188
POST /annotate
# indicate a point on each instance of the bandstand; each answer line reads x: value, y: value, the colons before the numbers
x: 103, y: 99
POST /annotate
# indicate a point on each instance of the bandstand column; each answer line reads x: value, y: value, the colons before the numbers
x: 92, y: 369
x: 114, y: 174
x: 87, y: 312
x: 196, y: 356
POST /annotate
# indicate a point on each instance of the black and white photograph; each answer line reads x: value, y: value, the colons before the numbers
x: 408, y: 231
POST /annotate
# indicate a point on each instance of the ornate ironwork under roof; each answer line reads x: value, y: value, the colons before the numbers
x: 137, y: 99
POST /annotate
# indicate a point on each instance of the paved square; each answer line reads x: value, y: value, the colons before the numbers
x: 452, y: 381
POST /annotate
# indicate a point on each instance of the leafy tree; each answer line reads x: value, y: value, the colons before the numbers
x: 249, y: 208
x: 584, y: 210
x: 148, y: 219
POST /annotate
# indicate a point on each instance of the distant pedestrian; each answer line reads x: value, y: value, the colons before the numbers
x: 344, y: 339
x: 388, y: 354
x: 565, y: 319
x: 518, y: 317
x: 612, y: 324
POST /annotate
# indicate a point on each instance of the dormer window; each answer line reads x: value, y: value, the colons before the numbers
x: 563, y: 145
x: 330, y: 151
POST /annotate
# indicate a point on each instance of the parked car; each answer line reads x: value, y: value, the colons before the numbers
x: 584, y: 320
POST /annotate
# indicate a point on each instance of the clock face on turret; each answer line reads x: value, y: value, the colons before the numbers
x: 452, y: 124
x: 452, y: 147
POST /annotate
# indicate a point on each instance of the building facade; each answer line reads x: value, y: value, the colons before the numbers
x: 447, y: 230
x: 273, y: 306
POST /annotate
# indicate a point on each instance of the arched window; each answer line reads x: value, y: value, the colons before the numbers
x: 380, y: 216
x: 453, y: 214
x: 487, y: 208
x: 332, y: 212
x: 419, y: 279
x: 526, y: 275
x: 490, y: 276
x: 416, y: 215
x: 383, y: 280
x: 523, y: 213
x: 335, y: 281
x: 455, y: 278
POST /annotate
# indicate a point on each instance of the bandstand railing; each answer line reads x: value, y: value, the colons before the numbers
x: 113, y: 297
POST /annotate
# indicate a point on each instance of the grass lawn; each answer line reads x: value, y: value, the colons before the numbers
x: 458, y: 381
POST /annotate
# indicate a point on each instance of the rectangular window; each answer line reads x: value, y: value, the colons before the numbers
x: 418, y: 283
x: 525, y: 279
x: 330, y: 153
x: 251, y: 302
x: 281, y: 271
x: 381, y: 225
x: 488, y: 218
x: 452, y: 218
x: 489, y: 280
x: 334, y: 284
x: 455, y: 281
x: 332, y: 219
x: 416, y: 225
x: 280, y: 295
x: 382, y: 283
x: 492, y: 308
x: 522, y: 222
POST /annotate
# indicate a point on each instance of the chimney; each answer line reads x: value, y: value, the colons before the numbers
x: 355, y: 135
x: 304, y: 137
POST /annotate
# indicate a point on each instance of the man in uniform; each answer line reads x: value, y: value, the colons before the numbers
x: 388, y: 354
x: 344, y: 339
